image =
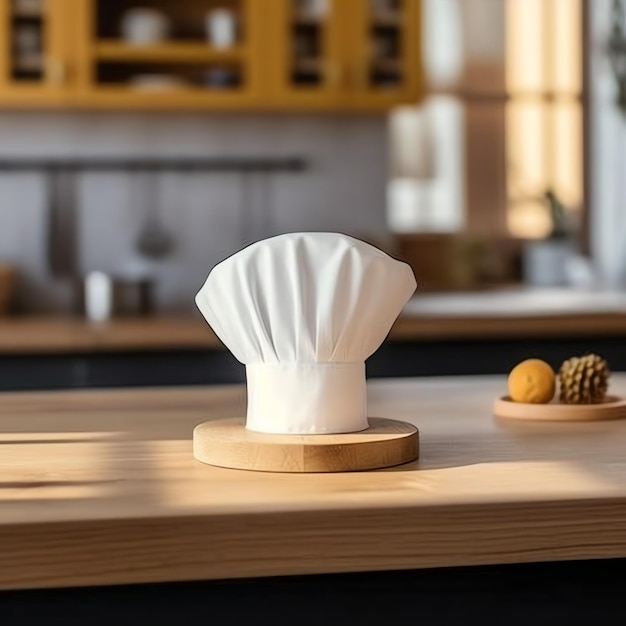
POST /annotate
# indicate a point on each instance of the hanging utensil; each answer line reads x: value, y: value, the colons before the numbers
x: 245, y: 225
x: 153, y: 240
x: 256, y: 211
x: 267, y: 204
x: 62, y: 246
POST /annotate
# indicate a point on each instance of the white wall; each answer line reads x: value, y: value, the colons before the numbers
x: 608, y: 156
x: 344, y: 190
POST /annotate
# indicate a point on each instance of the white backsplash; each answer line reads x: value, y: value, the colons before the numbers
x: 343, y: 190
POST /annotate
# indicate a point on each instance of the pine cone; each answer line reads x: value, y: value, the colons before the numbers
x: 584, y: 380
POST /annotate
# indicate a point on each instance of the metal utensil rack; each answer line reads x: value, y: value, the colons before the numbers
x: 183, y: 164
x: 60, y: 175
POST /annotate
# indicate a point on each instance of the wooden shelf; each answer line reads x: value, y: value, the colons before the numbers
x: 178, y: 91
x: 309, y: 21
x: 28, y: 14
x: 392, y: 66
x: 112, y: 50
x: 28, y: 63
x: 308, y: 65
x: 387, y: 20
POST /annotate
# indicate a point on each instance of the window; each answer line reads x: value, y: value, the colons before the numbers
x: 501, y: 125
x: 544, y: 127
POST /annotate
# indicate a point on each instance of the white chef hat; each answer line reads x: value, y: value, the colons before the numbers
x: 303, y: 311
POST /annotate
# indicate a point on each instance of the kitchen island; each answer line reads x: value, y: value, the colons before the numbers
x: 100, y: 488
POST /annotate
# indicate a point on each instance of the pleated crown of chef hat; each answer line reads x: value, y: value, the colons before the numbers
x: 303, y: 311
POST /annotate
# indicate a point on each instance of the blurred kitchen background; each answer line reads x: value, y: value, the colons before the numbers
x: 143, y: 141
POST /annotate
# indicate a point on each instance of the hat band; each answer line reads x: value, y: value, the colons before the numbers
x: 306, y: 398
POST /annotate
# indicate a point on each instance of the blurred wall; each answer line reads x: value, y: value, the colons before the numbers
x: 607, y: 161
x: 343, y: 190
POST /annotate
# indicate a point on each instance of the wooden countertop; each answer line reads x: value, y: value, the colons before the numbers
x: 100, y: 487
x: 37, y: 335
x: 24, y: 335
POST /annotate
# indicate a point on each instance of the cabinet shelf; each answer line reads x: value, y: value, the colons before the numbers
x: 174, y: 90
x: 308, y: 21
x: 29, y: 63
x: 27, y: 14
x: 112, y: 50
x: 309, y: 65
x: 187, y: 96
x: 392, y: 66
x: 387, y: 20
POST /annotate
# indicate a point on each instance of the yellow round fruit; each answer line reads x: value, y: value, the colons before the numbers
x: 532, y: 381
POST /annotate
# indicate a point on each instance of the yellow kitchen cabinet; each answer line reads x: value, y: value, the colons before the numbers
x: 337, y: 55
x: 344, y: 54
x: 36, y: 38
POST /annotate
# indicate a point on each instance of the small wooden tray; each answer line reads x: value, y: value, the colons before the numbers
x: 612, y: 408
x: 227, y: 443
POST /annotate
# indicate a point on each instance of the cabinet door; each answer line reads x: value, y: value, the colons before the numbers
x: 307, y: 64
x: 186, y: 68
x: 385, y: 52
x: 34, y: 62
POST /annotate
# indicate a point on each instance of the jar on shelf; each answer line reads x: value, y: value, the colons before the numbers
x: 144, y: 26
x: 221, y: 28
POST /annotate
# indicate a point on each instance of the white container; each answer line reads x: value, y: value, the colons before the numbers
x: 101, y: 296
x: 98, y: 295
x: 221, y: 28
x: 143, y: 26
x: 546, y: 262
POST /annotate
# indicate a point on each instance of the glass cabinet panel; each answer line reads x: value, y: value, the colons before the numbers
x: 387, y: 50
x: 35, y: 52
x: 308, y: 33
x: 309, y: 64
x: 167, y: 45
x: 27, y: 41
x: 386, y: 46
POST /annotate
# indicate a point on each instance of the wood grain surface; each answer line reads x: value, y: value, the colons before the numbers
x: 101, y: 487
x: 32, y: 335
x: 613, y: 408
x: 23, y: 335
x: 227, y: 443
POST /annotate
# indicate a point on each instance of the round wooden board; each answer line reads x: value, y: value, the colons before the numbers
x: 227, y: 443
x: 612, y: 408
